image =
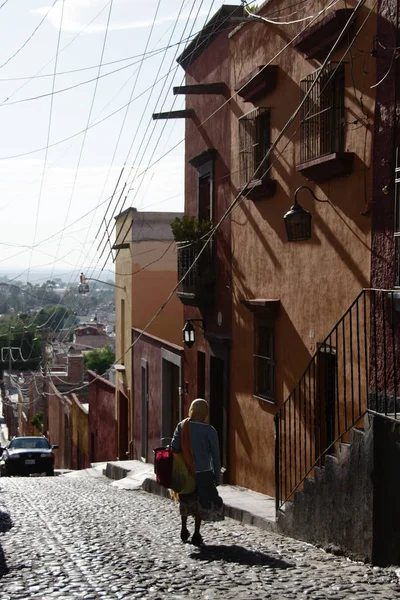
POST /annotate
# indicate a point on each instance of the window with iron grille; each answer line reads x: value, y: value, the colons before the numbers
x: 254, y: 143
x: 264, y: 362
x: 322, y: 114
x: 397, y: 220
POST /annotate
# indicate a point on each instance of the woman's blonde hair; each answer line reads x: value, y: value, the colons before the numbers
x: 198, y: 410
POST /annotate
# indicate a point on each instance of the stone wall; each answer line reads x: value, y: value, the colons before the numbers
x: 351, y: 505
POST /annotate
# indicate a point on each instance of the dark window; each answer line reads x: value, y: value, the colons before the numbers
x: 201, y: 374
x: 254, y: 143
x: 264, y: 363
x: 397, y: 221
x: 204, y: 164
x: 322, y: 114
x: 205, y: 198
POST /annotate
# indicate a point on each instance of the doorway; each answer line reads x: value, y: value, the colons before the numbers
x: 171, y: 396
x: 122, y: 426
x: 219, y: 398
x: 144, y: 397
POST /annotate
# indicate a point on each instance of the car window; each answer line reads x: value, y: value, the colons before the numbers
x: 27, y: 443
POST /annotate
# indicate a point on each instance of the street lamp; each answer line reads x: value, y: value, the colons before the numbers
x: 298, y: 220
x: 83, y: 287
x: 189, y: 336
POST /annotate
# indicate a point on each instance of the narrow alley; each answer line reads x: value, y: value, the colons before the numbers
x: 76, y: 536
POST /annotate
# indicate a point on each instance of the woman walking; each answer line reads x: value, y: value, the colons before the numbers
x: 198, y: 443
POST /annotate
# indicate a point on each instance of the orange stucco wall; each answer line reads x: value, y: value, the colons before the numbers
x: 151, y: 286
x: 316, y: 280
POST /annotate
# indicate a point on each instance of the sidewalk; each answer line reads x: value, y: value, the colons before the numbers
x: 240, y: 503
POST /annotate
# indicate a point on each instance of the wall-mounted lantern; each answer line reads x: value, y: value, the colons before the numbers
x: 298, y: 220
x: 189, y: 335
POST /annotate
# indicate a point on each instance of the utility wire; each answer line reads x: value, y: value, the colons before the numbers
x: 146, y: 55
x: 155, y: 125
x: 235, y: 201
x: 196, y: 129
x: 48, y: 131
x: 137, y: 130
x: 87, y: 125
x: 229, y: 210
x: 61, y: 50
x: 143, y: 153
x: 30, y: 37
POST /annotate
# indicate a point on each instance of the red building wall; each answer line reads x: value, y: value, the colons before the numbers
x: 59, y: 426
x: 211, y: 67
x: 149, y: 349
x: 80, y: 458
x: 103, y: 441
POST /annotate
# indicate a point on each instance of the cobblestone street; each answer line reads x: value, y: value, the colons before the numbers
x: 76, y: 536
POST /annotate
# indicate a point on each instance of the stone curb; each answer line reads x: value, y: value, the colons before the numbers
x: 150, y: 485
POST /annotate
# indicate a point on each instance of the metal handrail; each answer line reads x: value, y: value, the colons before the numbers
x: 354, y: 369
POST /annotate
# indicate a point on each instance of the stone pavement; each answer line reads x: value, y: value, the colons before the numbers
x: 79, y: 537
x: 241, y: 504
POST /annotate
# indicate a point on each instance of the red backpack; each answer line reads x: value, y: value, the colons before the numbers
x: 163, y: 463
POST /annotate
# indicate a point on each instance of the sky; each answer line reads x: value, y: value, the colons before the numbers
x: 62, y: 150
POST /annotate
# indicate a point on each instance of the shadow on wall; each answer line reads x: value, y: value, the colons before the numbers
x: 299, y: 354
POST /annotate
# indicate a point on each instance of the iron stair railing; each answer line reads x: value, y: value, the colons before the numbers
x: 354, y: 369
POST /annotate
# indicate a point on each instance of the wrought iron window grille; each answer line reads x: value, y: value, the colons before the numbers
x: 322, y: 114
x: 254, y: 144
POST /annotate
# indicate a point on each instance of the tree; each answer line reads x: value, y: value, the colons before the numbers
x: 99, y: 360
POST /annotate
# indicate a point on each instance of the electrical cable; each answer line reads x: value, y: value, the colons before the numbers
x: 125, y: 117
x: 48, y: 131
x: 271, y: 22
x: 149, y: 54
x: 30, y: 37
x: 154, y: 149
x: 87, y: 124
x: 273, y: 145
x: 138, y: 127
x: 275, y: 142
x: 61, y: 50
x: 153, y: 130
x: 230, y: 98
x: 126, y: 113
x: 71, y: 87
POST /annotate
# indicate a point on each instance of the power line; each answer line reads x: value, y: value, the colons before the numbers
x: 71, y: 87
x: 135, y: 135
x: 30, y: 37
x: 147, y: 144
x: 48, y: 130
x: 126, y: 115
x: 146, y: 55
x: 273, y: 145
x: 62, y: 49
x: 87, y: 123
x: 196, y: 129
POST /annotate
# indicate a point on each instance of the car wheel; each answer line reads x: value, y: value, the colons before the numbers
x: 50, y: 473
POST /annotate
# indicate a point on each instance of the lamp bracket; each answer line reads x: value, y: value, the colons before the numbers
x: 305, y: 187
x: 200, y: 321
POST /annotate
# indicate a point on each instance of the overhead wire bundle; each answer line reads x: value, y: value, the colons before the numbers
x: 290, y: 121
x: 237, y: 199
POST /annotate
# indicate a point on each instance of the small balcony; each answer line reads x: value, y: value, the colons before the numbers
x: 197, y: 284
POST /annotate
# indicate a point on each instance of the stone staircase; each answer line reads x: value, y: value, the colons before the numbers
x: 333, y: 508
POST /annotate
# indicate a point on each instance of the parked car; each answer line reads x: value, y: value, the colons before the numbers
x: 27, y: 455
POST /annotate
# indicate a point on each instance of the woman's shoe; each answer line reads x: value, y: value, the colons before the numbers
x: 197, y: 540
x: 184, y: 535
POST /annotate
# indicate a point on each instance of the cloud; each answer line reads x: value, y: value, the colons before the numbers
x: 78, y: 13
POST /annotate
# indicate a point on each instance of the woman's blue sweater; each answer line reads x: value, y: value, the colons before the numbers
x: 205, y: 447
